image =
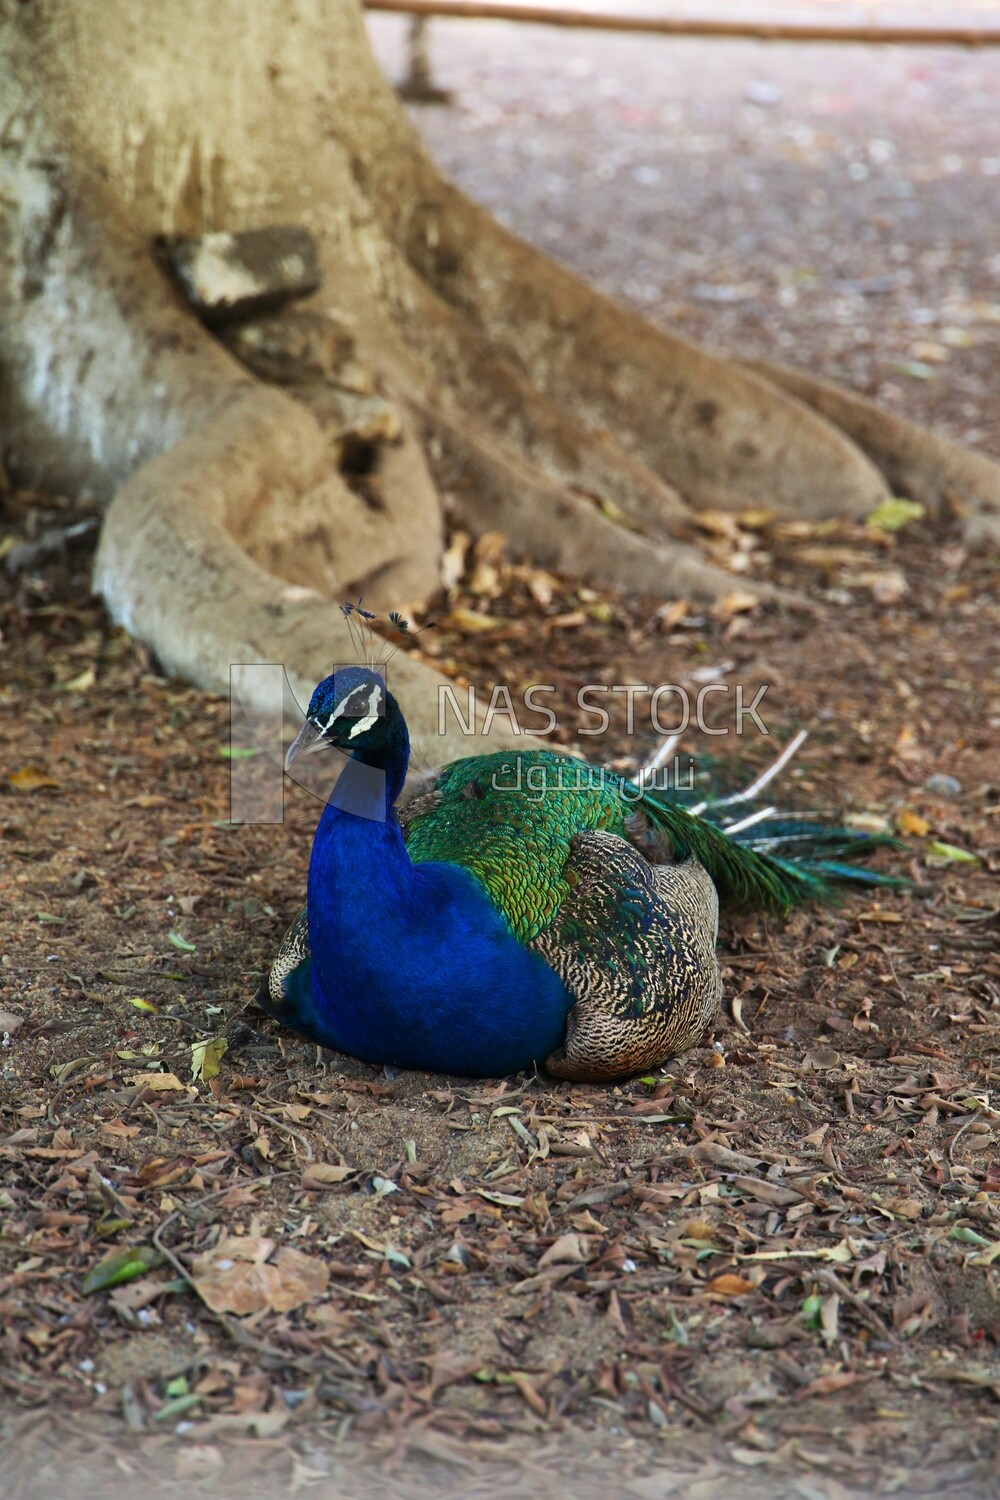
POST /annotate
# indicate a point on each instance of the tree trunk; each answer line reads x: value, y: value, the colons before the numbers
x: 526, y: 401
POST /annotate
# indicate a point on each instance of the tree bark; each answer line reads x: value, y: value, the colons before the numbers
x: 521, y: 397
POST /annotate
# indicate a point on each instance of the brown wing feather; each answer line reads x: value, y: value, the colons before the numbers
x: 635, y: 943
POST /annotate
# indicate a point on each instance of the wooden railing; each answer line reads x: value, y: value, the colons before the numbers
x: 931, y: 35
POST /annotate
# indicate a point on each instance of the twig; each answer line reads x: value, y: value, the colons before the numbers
x: 871, y: 1319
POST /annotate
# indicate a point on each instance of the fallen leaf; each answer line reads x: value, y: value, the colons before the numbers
x: 83, y: 683
x: 911, y: 824
x: 568, y: 1249
x: 825, y: 1385
x: 736, y: 603
x: 524, y: 1385
x: 453, y: 560
x: 321, y: 1174
x: 120, y: 1266
x: 206, y: 1056
x: 181, y: 942
x: 671, y: 614
x: 948, y: 854
x: 161, y: 1082
x: 894, y: 514
x: 729, y: 1284
x: 30, y: 779
x: 235, y: 1276
x: 471, y: 621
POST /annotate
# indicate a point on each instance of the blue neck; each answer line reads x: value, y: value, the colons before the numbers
x: 370, y: 783
x: 412, y: 964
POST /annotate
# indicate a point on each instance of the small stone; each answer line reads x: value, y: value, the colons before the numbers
x: 240, y: 275
x: 943, y: 786
x: 764, y: 94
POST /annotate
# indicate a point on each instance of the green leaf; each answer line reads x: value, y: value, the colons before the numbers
x: 206, y: 1057
x: 239, y: 752
x: 176, y: 1408
x: 107, y: 1226
x: 967, y: 1236
x: 120, y: 1266
x: 812, y: 1311
x: 141, y: 1004
x: 917, y: 369
x: 181, y: 942
x: 950, y: 855
x: 894, y: 514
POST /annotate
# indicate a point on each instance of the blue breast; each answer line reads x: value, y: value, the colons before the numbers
x: 412, y: 965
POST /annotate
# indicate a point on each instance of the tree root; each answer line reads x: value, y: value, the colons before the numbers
x: 491, y: 486
x: 724, y: 438
x: 686, y: 415
x: 172, y: 570
x: 944, y: 476
x: 546, y: 433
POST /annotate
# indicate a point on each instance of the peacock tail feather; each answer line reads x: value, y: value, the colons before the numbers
x: 509, y: 818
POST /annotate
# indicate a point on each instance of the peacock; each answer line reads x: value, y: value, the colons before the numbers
x: 522, y: 908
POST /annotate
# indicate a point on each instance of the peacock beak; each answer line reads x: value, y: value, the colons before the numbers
x: 306, y: 742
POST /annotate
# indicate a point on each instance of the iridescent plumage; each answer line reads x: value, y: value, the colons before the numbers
x: 522, y: 908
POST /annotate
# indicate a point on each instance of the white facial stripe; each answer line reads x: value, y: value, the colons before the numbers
x: 371, y: 718
x: 366, y: 721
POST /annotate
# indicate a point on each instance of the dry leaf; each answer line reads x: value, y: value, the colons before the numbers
x: 159, y: 1081
x: 669, y: 615
x: 472, y: 622
x: 30, y: 779
x: 453, y: 561
x: 729, y: 1285
x: 911, y: 825
x: 206, y: 1056
x: 825, y: 1385
x: 568, y: 1249
x: 235, y: 1277
x: 736, y: 603
x: 321, y: 1174
x: 83, y: 683
x: 716, y: 523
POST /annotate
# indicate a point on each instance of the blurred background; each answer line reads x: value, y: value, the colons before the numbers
x: 833, y: 206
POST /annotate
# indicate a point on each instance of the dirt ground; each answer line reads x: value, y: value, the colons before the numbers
x: 771, y: 1268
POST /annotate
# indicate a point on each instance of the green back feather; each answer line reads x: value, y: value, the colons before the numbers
x: 509, y: 818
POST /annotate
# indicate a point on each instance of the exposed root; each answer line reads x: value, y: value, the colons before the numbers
x: 941, y: 474
x: 172, y: 570
x: 722, y: 436
x: 491, y: 486
x: 546, y: 432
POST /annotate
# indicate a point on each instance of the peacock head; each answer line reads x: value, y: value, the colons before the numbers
x: 349, y: 710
